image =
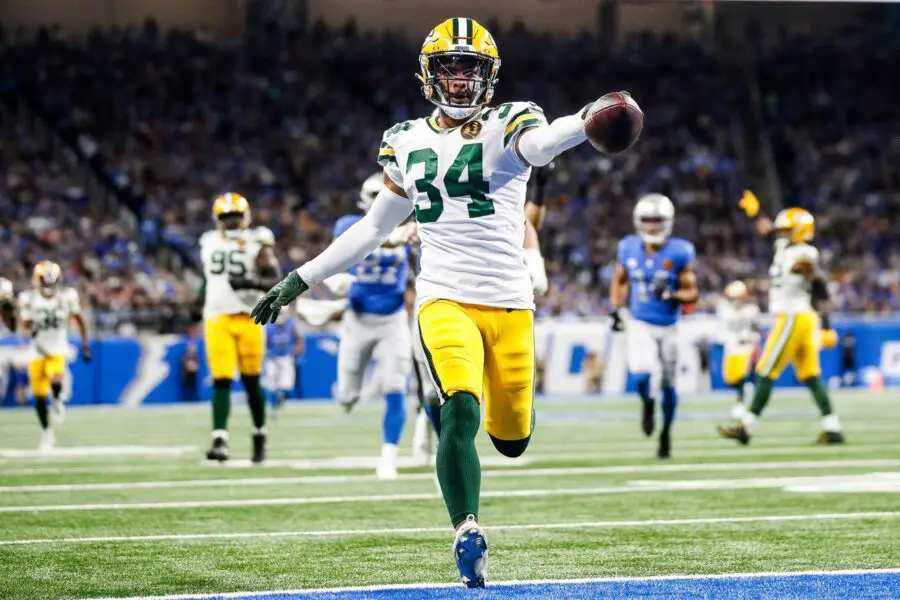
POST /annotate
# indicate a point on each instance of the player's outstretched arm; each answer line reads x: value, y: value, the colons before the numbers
x: 83, y: 331
x: 390, y: 208
x: 749, y: 203
x: 618, y: 292
x: 687, y: 292
x: 541, y: 144
x: 534, y: 261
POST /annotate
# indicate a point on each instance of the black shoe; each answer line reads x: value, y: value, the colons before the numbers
x: 830, y: 437
x: 735, y: 432
x: 647, y: 423
x: 259, y: 448
x: 219, y: 450
x: 665, y: 444
x: 349, y: 404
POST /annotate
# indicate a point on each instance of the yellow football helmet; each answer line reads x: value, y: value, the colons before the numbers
x: 458, y: 67
x: 796, y: 224
x: 228, y: 205
x: 46, y: 276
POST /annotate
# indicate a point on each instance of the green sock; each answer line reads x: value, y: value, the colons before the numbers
x: 761, y: 396
x: 256, y: 400
x: 221, y: 403
x: 458, y: 468
x: 820, y: 394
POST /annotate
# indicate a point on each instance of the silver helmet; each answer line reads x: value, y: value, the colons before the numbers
x: 370, y: 188
x: 654, y: 215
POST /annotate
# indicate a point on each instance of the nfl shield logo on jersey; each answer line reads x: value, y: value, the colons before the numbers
x: 471, y: 130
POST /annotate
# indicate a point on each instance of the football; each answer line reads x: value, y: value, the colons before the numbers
x: 614, y: 122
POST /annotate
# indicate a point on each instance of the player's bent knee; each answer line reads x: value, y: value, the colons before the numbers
x: 461, y: 414
x: 510, y: 448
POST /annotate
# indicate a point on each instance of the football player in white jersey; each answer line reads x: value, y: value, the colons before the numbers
x: 739, y: 335
x: 46, y: 311
x: 798, y: 297
x: 8, y: 313
x: 464, y: 174
x: 238, y: 265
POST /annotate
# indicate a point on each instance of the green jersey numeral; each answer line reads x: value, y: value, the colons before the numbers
x: 233, y: 261
x: 470, y: 159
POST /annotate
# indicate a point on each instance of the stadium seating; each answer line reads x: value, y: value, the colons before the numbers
x: 293, y: 125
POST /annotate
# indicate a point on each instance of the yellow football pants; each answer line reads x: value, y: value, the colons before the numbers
x: 736, y: 367
x: 234, y: 342
x: 43, y: 371
x: 792, y: 340
x: 487, y: 352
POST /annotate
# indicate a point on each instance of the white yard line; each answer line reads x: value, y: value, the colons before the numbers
x: 874, y: 482
x: 445, y: 530
x: 63, y: 452
x: 725, y: 450
x: 489, y: 473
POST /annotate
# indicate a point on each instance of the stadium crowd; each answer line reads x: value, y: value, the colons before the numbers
x: 293, y: 123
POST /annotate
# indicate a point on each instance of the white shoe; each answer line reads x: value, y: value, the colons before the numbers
x: 59, y: 411
x: 387, y: 464
x: 422, y: 440
x: 48, y: 441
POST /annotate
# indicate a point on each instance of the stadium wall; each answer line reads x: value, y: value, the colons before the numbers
x: 147, y: 370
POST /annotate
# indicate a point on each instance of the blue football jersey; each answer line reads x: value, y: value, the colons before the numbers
x: 381, y: 277
x: 281, y: 339
x: 644, y: 268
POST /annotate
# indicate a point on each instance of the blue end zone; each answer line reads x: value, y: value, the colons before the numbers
x: 838, y: 586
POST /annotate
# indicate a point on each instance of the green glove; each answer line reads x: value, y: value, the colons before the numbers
x: 284, y: 292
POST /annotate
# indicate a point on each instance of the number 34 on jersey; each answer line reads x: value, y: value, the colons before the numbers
x: 468, y: 188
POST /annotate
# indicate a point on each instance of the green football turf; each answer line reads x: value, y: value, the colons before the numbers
x: 589, y: 500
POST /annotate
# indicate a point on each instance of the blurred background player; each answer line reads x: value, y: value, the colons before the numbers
x: 376, y: 324
x: 8, y: 313
x: 798, y: 297
x: 238, y: 262
x: 739, y: 334
x: 45, y: 312
x: 655, y: 273
x: 284, y: 344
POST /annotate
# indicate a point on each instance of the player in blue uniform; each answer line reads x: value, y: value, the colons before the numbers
x: 376, y: 324
x: 283, y: 345
x: 658, y: 271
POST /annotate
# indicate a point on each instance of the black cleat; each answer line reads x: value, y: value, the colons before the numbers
x: 830, y: 437
x: 665, y: 444
x: 647, y: 423
x: 735, y: 432
x: 219, y: 450
x: 259, y: 448
x: 349, y: 403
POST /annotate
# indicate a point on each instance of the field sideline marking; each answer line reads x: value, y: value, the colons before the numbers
x: 522, y: 583
x: 506, y: 473
x: 630, y: 487
x: 446, y: 530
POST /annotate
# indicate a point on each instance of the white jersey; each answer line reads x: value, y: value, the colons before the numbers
x: 790, y: 292
x: 50, y: 319
x: 737, y: 326
x: 468, y: 186
x: 225, y: 257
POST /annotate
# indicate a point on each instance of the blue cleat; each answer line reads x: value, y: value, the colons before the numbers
x: 471, y: 553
